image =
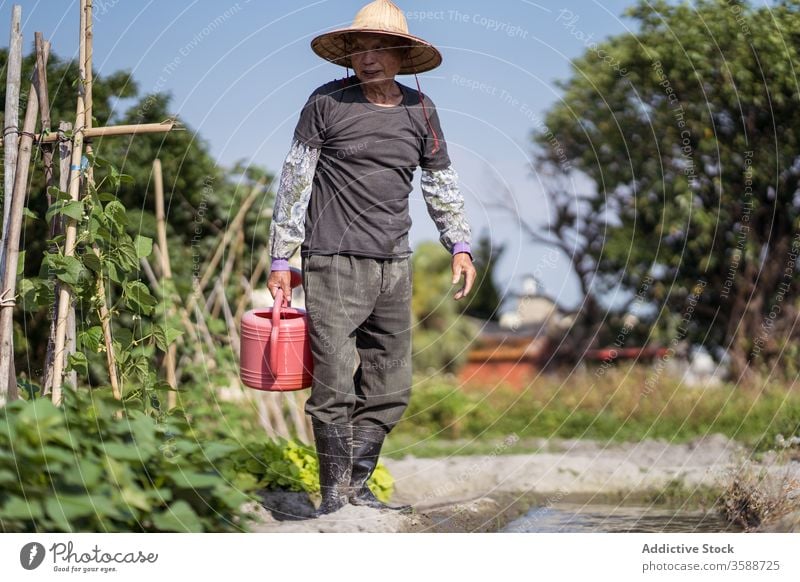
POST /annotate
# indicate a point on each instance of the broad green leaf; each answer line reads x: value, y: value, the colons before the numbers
x: 144, y: 433
x: 78, y: 362
x: 122, y: 452
x: 194, y: 480
x: 214, y: 451
x: 115, y: 212
x: 124, y: 336
x: 180, y: 517
x: 144, y: 246
x: 20, y: 263
x: 138, y: 298
x: 103, y: 506
x: 136, y: 497
x: 70, y: 506
x: 57, y: 194
x: 100, y: 161
x: 66, y: 269
x: 165, y: 336
x: 39, y: 412
x: 118, y: 472
x: 91, y: 338
x: 113, y: 272
x: 18, y: 508
x: 71, y: 208
x: 125, y: 253
x: 244, y: 481
x: 92, y: 262
x: 53, y: 455
x: 8, y: 478
x: 84, y: 473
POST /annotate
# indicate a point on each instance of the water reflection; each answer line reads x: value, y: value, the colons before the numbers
x: 583, y: 518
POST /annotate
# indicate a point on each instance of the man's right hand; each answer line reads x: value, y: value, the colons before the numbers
x: 281, y: 280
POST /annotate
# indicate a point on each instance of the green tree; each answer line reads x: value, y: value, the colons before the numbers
x: 201, y: 197
x: 484, y: 302
x: 687, y: 129
x: 441, y: 338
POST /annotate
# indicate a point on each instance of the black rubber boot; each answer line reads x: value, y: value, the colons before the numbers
x: 367, y: 443
x: 334, y: 444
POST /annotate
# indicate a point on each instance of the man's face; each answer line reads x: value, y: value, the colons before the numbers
x: 376, y: 57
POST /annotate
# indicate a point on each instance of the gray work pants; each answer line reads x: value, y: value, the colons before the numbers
x: 359, y: 313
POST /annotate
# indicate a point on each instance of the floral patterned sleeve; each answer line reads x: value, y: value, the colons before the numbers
x: 446, y: 208
x: 291, y: 201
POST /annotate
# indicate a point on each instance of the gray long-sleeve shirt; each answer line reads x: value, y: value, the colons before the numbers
x: 358, y: 159
x: 439, y: 189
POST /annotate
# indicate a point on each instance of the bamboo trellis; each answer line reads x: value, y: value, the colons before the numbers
x: 75, y: 184
x: 277, y: 412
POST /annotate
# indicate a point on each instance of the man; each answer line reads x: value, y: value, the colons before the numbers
x: 343, y: 197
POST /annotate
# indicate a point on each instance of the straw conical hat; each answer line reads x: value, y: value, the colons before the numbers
x: 380, y: 17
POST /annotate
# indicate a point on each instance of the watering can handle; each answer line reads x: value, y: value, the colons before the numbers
x: 273, y: 338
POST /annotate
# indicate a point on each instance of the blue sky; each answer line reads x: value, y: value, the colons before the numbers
x: 239, y: 71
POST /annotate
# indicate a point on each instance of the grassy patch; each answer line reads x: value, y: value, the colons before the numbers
x: 624, y: 404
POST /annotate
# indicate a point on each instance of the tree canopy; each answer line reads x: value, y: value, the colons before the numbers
x: 201, y: 196
x: 688, y: 130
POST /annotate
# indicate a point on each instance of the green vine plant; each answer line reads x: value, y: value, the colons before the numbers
x: 106, y: 253
x: 98, y: 463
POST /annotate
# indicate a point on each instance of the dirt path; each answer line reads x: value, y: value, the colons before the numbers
x: 483, y: 493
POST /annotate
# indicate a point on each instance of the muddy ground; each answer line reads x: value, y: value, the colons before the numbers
x: 484, y: 493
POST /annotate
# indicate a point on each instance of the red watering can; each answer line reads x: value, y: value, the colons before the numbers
x: 275, y: 350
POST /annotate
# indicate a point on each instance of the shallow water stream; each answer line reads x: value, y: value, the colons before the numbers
x: 588, y: 518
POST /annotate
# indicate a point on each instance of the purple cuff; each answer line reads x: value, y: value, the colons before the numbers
x: 279, y: 264
x: 462, y: 247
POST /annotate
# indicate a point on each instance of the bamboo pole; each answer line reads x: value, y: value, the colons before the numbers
x: 149, y: 273
x: 261, y: 267
x: 42, y: 47
x: 11, y: 129
x: 161, y: 219
x: 13, y: 84
x: 71, y: 341
x: 204, y: 333
x: 105, y: 324
x: 11, y: 253
x: 151, y: 277
x: 235, y: 250
x: 114, y: 130
x: 211, y: 299
x: 244, y: 299
x: 56, y: 228
x: 166, y: 272
x: 235, y: 226
x: 157, y: 260
x: 64, y: 157
x: 233, y: 337
x: 42, y: 50
x: 65, y: 294
x: 87, y: 75
x: 185, y: 321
